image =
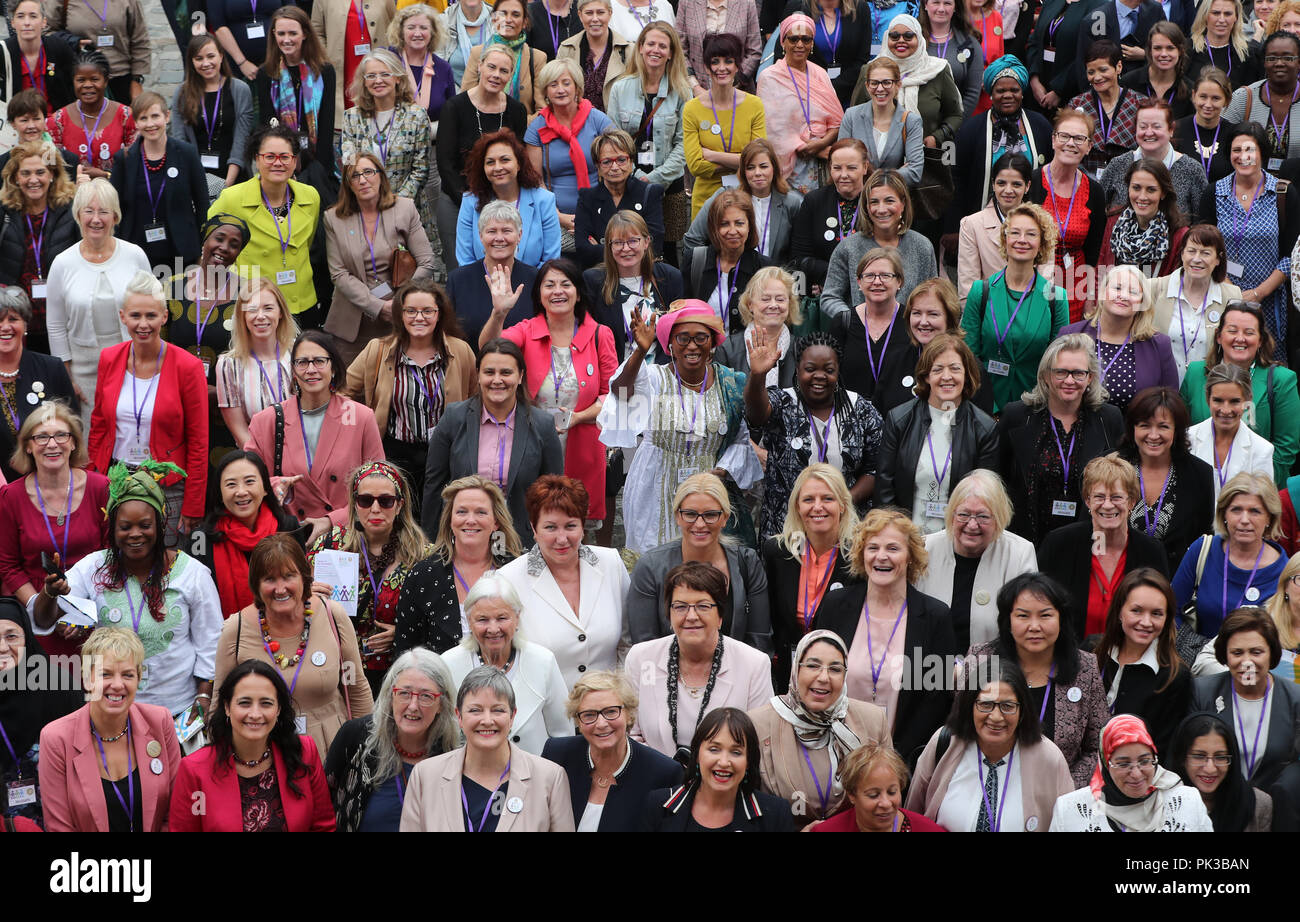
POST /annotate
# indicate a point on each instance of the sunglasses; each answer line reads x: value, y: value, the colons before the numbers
x: 366, y: 500
x: 901, y: 36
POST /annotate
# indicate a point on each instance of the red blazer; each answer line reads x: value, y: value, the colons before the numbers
x: 208, y: 801
x: 179, y: 430
x: 72, y: 793
x: 594, y: 361
x: 349, y: 436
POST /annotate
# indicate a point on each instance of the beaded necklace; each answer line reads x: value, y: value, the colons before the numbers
x: 273, y: 646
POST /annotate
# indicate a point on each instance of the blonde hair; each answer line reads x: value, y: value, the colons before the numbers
x: 755, y: 288
x: 1249, y: 483
x: 1278, y: 606
x: 1237, y: 38
x: 1047, y: 233
x: 109, y: 643
x: 876, y: 521
x: 62, y: 189
x: 703, y: 484
x: 286, y: 333
x: 679, y: 81
x: 96, y: 190
x: 834, y: 480
x: 1108, y: 469
x: 553, y: 70
x: 603, y: 680
x: 412, y: 545
x: 444, y: 545
x: 21, y: 459
x: 986, y: 486
x: 860, y: 762
x: 1143, y: 323
x: 145, y: 285
x: 403, y: 91
x: 438, y: 35
x: 1082, y: 343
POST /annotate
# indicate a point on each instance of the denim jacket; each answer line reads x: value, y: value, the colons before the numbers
x: 626, y: 107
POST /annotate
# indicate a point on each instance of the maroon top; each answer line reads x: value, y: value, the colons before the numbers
x: 846, y: 821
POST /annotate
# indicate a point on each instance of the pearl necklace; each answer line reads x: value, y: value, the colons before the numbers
x: 9, y: 374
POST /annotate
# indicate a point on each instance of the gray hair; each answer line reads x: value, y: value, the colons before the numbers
x: 14, y: 300
x: 492, y: 587
x: 497, y: 210
x: 490, y: 678
x: 96, y: 190
x: 379, y: 758
x: 986, y: 486
x: 1093, y: 397
x: 145, y: 285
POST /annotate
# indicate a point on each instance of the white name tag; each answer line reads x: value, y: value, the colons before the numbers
x: 103, y: 41
x: 155, y: 234
x: 382, y: 290
x: 300, y: 726
x: 731, y: 181
x: 935, y: 510
x: 1049, y: 54
x: 875, y: 51
x: 362, y: 49
x: 207, y: 367
x: 645, y: 158
x: 136, y: 453
x: 256, y: 30
x: 21, y: 793
x: 1275, y: 163
x: 832, y: 72
x: 999, y: 368
x: 210, y: 161
x: 1064, y: 507
x: 286, y: 277
x: 1236, y: 270
x: 684, y: 472
x: 38, y: 288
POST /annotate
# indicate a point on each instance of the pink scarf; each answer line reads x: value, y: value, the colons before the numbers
x: 553, y: 130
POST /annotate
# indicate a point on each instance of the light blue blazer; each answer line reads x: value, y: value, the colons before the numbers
x: 539, y: 242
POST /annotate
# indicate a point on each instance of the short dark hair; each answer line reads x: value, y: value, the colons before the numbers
x: 1065, y: 653
x: 277, y: 553
x: 930, y: 353
x: 961, y: 720
x: 1208, y: 235
x: 1160, y: 173
x: 265, y: 133
x: 555, y: 491
x: 1103, y: 49
x: 338, y: 371
x: 503, y: 346
x: 476, y: 180
x: 214, y: 487
x: 569, y: 269
x: 1255, y: 132
x: 28, y: 102
x: 722, y: 45
x: 738, y: 725
x: 702, y: 577
x: 283, y: 735
x: 1143, y: 407
x: 1252, y: 618
x: 1283, y: 35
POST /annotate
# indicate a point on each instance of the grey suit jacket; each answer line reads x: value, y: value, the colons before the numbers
x: 453, y: 453
x: 1213, y: 693
x: 781, y: 221
x: 242, y: 97
x: 908, y: 159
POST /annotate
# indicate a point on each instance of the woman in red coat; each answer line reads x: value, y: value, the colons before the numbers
x: 256, y: 774
x: 152, y: 402
x: 571, y: 360
x: 874, y: 778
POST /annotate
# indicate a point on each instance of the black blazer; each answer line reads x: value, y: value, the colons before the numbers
x: 974, y: 444
x: 929, y: 634
x: 1142, y: 694
x: 1149, y: 13
x: 646, y: 770
x: 428, y: 609
x: 810, y: 251
x: 184, y: 204
x: 1019, y: 429
x: 70, y: 163
x: 1279, y: 751
x: 60, y: 232
x: 58, y: 68
x: 756, y: 812
x: 1193, y: 507
x: 35, y: 368
x: 1137, y: 80
x: 783, y: 588
x: 700, y: 278
x: 666, y: 280
x: 596, y: 206
x: 468, y: 290
x: 453, y: 453
x: 1066, y: 556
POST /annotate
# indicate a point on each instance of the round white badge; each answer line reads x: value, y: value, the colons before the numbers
x: 637, y: 206
x: 829, y: 235
x: 1252, y: 594
x: 104, y: 152
x: 1031, y: 824
x: 722, y: 427
x: 156, y: 766
x: 115, y: 615
x: 172, y: 172
x: 33, y: 399
x: 1214, y: 316
x: 833, y: 586
x: 83, y: 148
x: 38, y: 386
x: 515, y: 805
x: 981, y: 597
x: 796, y: 443
x: 1075, y: 694
x: 704, y: 125
x: 716, y: 129
x: 318, y: 658
x: 997, y: 30
x: 832, y: 221
x: 908, y: 381
x: 591, y: 369
x: 228, y: 323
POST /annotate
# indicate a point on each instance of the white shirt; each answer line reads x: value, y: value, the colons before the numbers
x: 1149, y: 658
x: 964, y: 799
x: 590, y: 821
x: 1249, y: 452
x: 930, y: 486
x: 137, y: 398
x: 762, y: 212
x: 1189, y: 328
x: 1246, y: 718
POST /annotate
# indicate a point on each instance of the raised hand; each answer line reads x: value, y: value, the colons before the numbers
x: 643, y: 331
x: 763, y: 354
x: 503, y: 300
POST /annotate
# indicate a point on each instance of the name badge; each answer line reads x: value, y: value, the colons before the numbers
x: 875, y: 50
x: 1275, y: 163
x: 1049, y: 54
x: 21, y: 793
x: 38, y: 288
x: 286, y: 277
x: 684, y: 472
x: 999, y: 368
x: 300, y: 726
x: 155, y: 233
x: 304, y: 140
x: 256, y: 30
x: 832, y: 72
x: 210, y: 161
x: 731, y: 181
x: 207, y: 367
x: 136, y: 453
x: 645, y: 158
x: 103, y: 41
x: 362, y: 49
x: 935, y: 510
x: 1064, y: 508
x: 382, y: 290
x: 1236, y: 270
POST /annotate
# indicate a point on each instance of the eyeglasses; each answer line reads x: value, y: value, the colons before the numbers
x: 1060, y: 375
x: 985, y: 706
x: 1280, y: 59
x: 877, y: 276
x: 378, y: 75
x: 386, y: 501
x: 1116, y: 499
x: 1071, y: 138
x: 700, y: 339
x: 275, y: 158
x: 691, y: 515
x: 315, y: 361
x: 614, y: 161
x: 424, y: 699
x: 628, y: 243
x: 979, y: 518
x: 1127, y: 765
x: 58, y: 438
x: 701, y: 608
x: 799, y: 39
x: 367, y: 173
x: 12, y: 638
x: 1221, y: 759
x: 882, y: 84
x: 814, y: 666
x: 901, y: 36
x: 611, y: 713
x: 419, y: 312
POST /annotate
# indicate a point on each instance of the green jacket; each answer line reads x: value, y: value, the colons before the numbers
x: 1041, y: 317
x: 1276, y: 417
x: 263, y: 253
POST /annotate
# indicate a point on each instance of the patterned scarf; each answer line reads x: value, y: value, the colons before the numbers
x: 284, y: 99
x: 1137, y: 247
x: 516, y: 45
x: 462, y: 25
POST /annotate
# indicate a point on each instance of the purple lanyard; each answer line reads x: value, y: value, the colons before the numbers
x: 459, y: 577
x: 877, y: 668
x: 995, y: 820
x: 374, y: 585
x: 943, y: 49
x: 1001, y: 336
x: 201, y: 319
x: 482, y: 820
x: 853, y: 216
x: 767, y: 219
x: 833, y: 39
x: 650, y: 14
x: 1102, y: 122
x: 288, y: 219
x: 38, y: 240
x: 805, y: 106
x: 361, y: 19
x: 103, y: 107
x: 130, y: 787
x: 1209, y: 50
x: 381, y: 138
x: 279, y: 375
x: 1118, y: 352
x: 878, y: 366
x: 1205, y: 161
x: 137, y: 615
x: 1221, y: 473
x: 417, y: 73
x: 934, y: 465
x: 557, y: 378
x: 1253, y: 758
x: 298, y: 669
x: 552, y: 24
x: 1169, y: 99
x: 401, y: 794
x: 1052, y: 28
x: 704, y: 385
x: 501, y: 446
x: 103, y: 17
x: 1182, y: 328
x: 138, y: 408
x: 1236, y: 218
x: 67, y: 518
x: 807, y: 562
x: 11, y: 410
x: 370, y: 242
x: 1268, y: 98
x: 10, y: 746
x: 154, y: 202
x: 724, y: 307
x: 1047, y: 175
x: 1151, y: 522
x: 1047, y: 695
x: 210, y: 125
x: 734, y: 103
x: 1250, y: 579
x: 418, y: 375
x: 824, y: 442
x: 1060, y: 449
x: 824, y: 796
x: 302, y: 427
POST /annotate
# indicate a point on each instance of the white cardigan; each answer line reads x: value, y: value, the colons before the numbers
x: 1250, y: 452
x: 596, y: 637
x: 71, y: 295
x: 1078, y: 812
x: 540, y: 693
x: 1007, y: 556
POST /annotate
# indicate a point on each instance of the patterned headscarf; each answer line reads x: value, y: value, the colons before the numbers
x: 798, y: 19
x: 378, y: 469
x: 1006, y: 66
x: 141, y: 484
x: 1142, y: 814
x: 223, y: 219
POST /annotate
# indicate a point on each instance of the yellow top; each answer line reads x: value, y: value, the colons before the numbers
x: 698, y: 122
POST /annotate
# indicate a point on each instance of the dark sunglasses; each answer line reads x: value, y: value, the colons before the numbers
x: 365, y: 500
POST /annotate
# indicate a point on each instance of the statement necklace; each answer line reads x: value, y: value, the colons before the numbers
x: 253, y: 763
x: 284, y: 661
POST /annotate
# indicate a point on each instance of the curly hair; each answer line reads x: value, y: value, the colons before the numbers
x: 476, y: 180
x: 61, y: 190
x: 112, y: 573
x: 876, y: 521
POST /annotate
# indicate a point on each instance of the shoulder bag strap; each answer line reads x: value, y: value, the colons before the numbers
x: 279, y: 441
x: 1189, y: 613
x: 347, y: 702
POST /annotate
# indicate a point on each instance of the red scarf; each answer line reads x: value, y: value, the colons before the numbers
x: 553, y: 130
x: 230, y: 558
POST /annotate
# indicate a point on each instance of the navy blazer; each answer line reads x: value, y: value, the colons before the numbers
x: 184, y: 204
x: 668, y: 282
x: 646, y: 770
x: 59, y: 65
x: 1149, y: 13
x: 468, y: 291
x: 1277, y: 756
x: 596, y: 207
x: 669, y: 810
x: 453, y: 453
x: 52, y: 375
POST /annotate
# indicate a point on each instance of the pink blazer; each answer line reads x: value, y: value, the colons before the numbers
x: 594, y: 362
x: 204, y: 800
x: 744, y: 681
x: 72, y: 792
x: 348, y: 436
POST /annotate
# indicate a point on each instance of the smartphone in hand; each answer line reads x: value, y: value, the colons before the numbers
x: 47, y: 564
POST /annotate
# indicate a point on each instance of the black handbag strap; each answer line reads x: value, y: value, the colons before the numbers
x: 279, y: 441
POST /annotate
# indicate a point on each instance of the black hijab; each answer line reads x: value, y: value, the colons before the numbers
x: 24, y: 711
x: 1234, y: 801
